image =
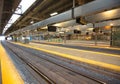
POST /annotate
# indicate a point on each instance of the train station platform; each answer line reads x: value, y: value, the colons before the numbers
x: 85, y: 45
x: 100, y: 44
x: 9, y: 73
x: 98, y: 59
x: 76, y: 42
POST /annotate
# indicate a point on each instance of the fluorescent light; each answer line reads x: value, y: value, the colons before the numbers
x: 61, y: 32
x: 90, y: 29
x: 111, y: 24
x: 32, y: 22
x: 55, y: 13
x: 44, y: 27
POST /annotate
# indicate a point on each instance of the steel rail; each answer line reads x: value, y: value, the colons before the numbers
x: 50, y: 81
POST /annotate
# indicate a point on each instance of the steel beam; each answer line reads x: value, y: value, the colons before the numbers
x: 108, y: 23
x: 96, y: 6
x: 107, y: 15
x: 84, y: 10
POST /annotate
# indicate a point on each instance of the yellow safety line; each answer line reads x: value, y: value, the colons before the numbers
x: 10, y: 74
x: 96, y: 63
x: 100, y: 47
x: 106, y: 54
x: 50, y: 42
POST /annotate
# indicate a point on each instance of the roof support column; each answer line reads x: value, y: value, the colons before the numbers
x: 73, y: 9
x: 1, y: 10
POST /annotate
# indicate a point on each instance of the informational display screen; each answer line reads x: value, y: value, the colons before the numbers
x: 77, y: 32
x: 81, y: 21
x: 52, y: 28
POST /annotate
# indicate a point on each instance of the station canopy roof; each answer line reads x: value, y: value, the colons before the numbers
x: 7, y: 8
x: 38, y: 11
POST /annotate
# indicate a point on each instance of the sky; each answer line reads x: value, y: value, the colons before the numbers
x: 2, y: 38
x: 25, y: 5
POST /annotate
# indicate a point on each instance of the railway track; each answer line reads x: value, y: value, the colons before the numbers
x: 54, y: 62
x: 48, y: 79
x: 35, y: 68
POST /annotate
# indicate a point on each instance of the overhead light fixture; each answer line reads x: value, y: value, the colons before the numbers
x: 55, y: 13
x: 109, y: 13
x: 32, y: 22
x: 35, y: 30
x: 61, y: 32
x: 111, y: 24
x: 44, y: 27
x: 90, y: 29
x: 107, y: 27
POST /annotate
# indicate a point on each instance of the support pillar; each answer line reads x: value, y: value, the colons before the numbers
x: 1, y: 11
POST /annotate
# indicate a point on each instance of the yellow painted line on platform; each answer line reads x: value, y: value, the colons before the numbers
x: 96, y: 63
x: 10, y: 74
x: 85, y: 45
x: 100, y: 47
x: 106, y: 54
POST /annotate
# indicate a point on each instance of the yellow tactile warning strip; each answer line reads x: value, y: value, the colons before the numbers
x: 85, y: 45
x: 10, y: 74
x: 96, y: 63
x: 102, y: 47
x: 106, y: 54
